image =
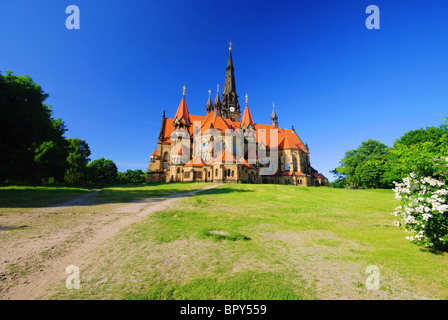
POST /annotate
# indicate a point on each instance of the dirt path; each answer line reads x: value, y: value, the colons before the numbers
x: 38, y: 284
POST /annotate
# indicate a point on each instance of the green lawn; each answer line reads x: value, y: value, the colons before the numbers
x: 31, y: 197
x: 265, y: 242
x: 19, y: 196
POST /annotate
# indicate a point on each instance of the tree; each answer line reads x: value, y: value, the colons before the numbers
x: 132, y: 176
x: 415, y: 151
x: 102, y: 171
x: 31, y: 141
x: 363, y: 167
x: 419, y: 136
x: 77, y: 160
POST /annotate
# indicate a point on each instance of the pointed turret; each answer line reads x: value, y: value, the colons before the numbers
x: 246, y: 121
x: 217, y: 104
x: 182, y: 117
x: 229, y: 84
x: 274, y: 118
x: 162, y: 127
x: 230, y: 104
x: 209, y: 106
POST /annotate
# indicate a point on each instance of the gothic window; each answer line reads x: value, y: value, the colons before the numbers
x: 294, y: 163
x: 178, y: 170
x: 286, y: 164
x: 232, y: 173
x: 216, y: 173
x: 228, y: 172
x: 165, y: 160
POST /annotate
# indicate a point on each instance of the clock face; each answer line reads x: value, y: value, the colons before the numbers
x: 232, y: 109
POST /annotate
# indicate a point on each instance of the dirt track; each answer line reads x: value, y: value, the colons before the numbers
x: 40, y: 259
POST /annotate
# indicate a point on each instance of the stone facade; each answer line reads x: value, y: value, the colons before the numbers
x: 202, y: 148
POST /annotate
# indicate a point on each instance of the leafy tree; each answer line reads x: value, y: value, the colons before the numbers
x: 132, y: 176
x: 403, y: 160
x: 31, y: 141
x: 415, y: 151
x: 102, y: 171
x: 419, y: 136
x: 77, y: 160
x: 363, y: 167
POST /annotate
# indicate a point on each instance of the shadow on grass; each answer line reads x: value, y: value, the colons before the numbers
x: 67, y: 197
x: 438, y: 252
x: 4, y: 228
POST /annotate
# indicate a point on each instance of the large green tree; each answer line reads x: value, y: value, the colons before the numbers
x: 363, y: 167
x: 77, y: 160
x: 32, y: 145
x: 132, y: 176
x: 415, y: 151
x: 102, y: 171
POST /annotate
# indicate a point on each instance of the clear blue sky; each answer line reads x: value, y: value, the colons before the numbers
x: 336, y: 81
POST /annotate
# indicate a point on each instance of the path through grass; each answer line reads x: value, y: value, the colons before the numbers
x: 277, y: 242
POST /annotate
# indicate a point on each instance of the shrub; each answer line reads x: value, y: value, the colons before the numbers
x: 424, y: 209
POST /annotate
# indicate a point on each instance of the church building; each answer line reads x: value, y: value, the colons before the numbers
x: 200, y: 148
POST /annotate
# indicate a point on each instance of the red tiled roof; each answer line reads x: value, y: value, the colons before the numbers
x: 318, y: 175
x: 182, y: 110
x: 246, y: 120
x: 289, y: 173
x: 155, y: 152
x: 196, y: 161
x: 246, y: 164
x: 224, y: 156
x: 286, y: 138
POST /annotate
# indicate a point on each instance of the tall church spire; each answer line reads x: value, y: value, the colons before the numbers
x: 230, y: 104
x: 274, y: 118
x: 229, y: 84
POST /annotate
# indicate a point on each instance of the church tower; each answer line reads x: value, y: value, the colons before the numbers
x: 230, y: 104
x: 274, y: 118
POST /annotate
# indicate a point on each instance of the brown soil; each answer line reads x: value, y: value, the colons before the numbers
x: 52, y: 238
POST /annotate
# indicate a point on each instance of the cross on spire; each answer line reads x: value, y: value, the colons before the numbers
x: 183, y: 90
x: 246, y: 99
x: 230, y: 45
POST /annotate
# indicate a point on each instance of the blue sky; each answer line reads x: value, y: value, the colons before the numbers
x: 336, y: 81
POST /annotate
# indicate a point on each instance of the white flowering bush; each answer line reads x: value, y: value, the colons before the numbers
x: 424, y: 208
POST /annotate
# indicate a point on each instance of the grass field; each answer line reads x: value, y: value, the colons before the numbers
x: 262, y: 242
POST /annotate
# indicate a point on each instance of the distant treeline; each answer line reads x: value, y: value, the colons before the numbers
x: 375, y: 165
x: 33, y: 148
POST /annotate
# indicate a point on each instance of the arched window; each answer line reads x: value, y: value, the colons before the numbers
x: 228, y: 172
x: 165, y: 160
x: 232, y: 173
x: 294, y: 163
x: 216, y: 173
x: 178, y: 170
x: 286, y: 164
